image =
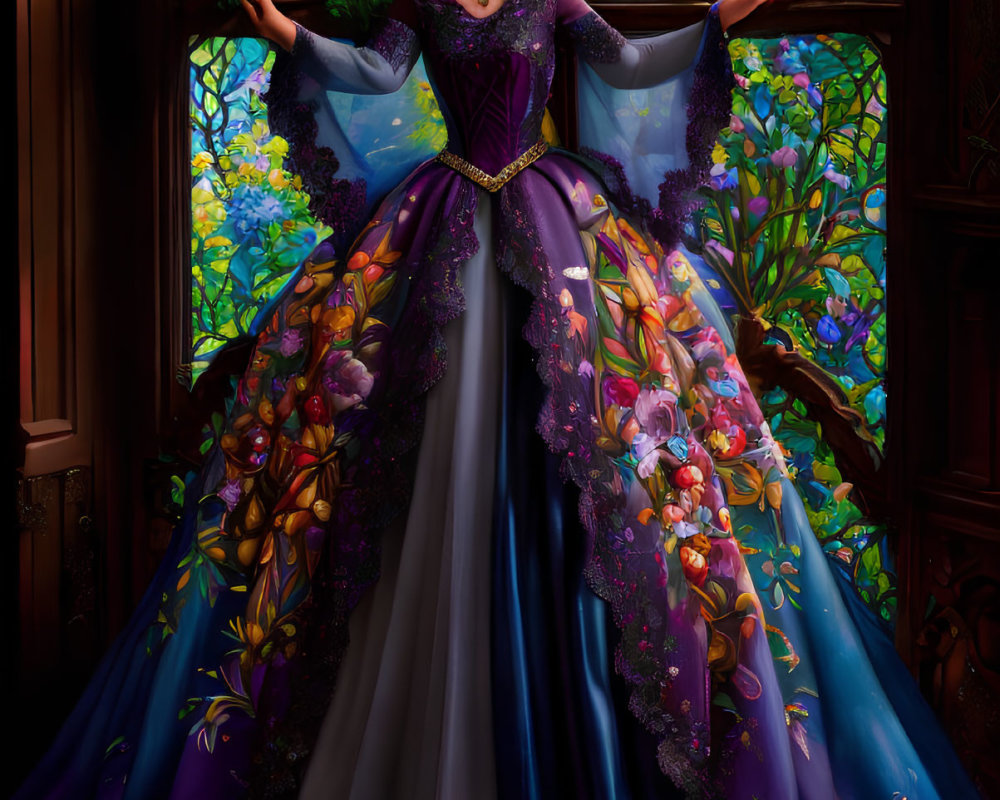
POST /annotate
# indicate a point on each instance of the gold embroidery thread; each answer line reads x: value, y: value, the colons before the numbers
x: 493, y: 183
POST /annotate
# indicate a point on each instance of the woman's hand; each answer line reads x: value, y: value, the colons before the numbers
x: 271, y: 23
x: 732, y: 11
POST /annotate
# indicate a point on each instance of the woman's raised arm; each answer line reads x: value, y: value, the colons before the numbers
x: 379, y: 67
x: 643, y: 62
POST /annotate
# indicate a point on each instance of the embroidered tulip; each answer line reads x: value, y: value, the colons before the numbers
x: 656, y: 411
x: 737, y: 442
x: 687, y: 476
x: 372, y: 273
x: 620, y: 390
x: 358, y: 261
x: 694, y: 564
x: 672, y: 513
x: 316, y: 411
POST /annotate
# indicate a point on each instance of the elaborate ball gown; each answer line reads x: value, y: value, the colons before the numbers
x: 516, y: 579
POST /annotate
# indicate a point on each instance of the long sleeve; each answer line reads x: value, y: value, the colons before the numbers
x: 379, y: 67
x: 650, y: 111
x: 630, y: 63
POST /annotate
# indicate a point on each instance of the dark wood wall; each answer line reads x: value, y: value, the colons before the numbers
x: 945, y: 369
x: 102, y: 196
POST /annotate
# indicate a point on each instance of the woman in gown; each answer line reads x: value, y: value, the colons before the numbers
x: 515, y: 580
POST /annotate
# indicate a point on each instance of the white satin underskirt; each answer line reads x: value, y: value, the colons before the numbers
x: 411, y: 716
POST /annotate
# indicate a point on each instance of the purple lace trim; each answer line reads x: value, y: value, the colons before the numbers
x: 567, y: 426
x: 338, y: 202
x: 619, y: 570
x: 707, y: 111
x: 612, y: 174
x: 516, y: 26
x: 595, y: 39
x: 394, y: 41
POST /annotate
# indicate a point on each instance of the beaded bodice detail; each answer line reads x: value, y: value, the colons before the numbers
x: 491, y: 75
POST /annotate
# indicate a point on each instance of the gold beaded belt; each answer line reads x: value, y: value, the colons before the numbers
x: 493, y: 182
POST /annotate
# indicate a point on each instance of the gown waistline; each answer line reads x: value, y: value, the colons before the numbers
x: 493, y: 183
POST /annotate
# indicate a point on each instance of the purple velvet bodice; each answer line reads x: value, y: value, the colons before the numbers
x: 491, y: 76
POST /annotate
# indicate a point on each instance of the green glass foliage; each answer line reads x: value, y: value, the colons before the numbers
x: 795, y: 228
x: 251, y: 224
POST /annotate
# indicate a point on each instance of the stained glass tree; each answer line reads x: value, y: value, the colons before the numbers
x: 795, y: 229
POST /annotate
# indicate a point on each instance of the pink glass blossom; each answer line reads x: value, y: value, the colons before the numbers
x: 784, y: 157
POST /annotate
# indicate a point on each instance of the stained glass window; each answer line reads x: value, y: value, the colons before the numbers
x: 251, y: 225
x: 795, y: 229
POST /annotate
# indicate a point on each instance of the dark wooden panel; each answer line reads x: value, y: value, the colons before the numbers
x: 970, y: 365
x: 45, y: 172
x: 947, y: 370
x: 955, y: 609
x: 975, y: 93
x: 58, y: 581
x: 59, y: 609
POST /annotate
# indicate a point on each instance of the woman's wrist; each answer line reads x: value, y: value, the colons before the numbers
x: 284, y: 32
x: 732, y: 11
x: 271, y: 23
